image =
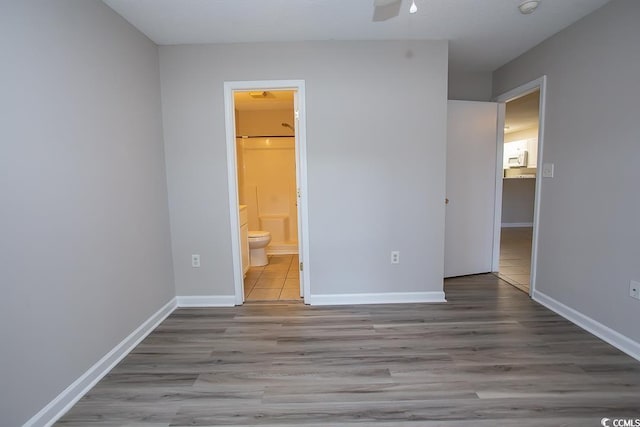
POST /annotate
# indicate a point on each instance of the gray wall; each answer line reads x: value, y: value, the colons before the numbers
x: 589, y: 230
x: 518, y: 197
x: 469, y: 85
x: 376, y: 127
x: 84, y: 249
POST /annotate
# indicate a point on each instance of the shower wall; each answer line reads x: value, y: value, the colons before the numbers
x: 264, y: 122
x: 267, y: 175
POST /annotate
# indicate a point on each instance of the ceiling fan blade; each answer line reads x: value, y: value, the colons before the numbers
x: 385, y: 9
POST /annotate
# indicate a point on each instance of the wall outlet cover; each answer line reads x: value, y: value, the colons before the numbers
x: 634, y: 289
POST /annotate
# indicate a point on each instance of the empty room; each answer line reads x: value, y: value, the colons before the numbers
x: 300, y: 212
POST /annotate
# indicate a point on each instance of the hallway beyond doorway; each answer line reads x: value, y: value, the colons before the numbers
x: 515, y: 256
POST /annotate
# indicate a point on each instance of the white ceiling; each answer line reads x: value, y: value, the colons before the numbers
x: 484, y: 34
x: 522, y: 113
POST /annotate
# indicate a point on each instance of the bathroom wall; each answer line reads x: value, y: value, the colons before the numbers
x: 375, y: 157
x: 267, y: 174
x: 270, y: 189
x: 264, y: 122
x: 239, y: 165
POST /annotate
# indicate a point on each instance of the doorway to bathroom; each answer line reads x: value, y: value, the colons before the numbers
x: 267, y: 179
x: 518, y: 185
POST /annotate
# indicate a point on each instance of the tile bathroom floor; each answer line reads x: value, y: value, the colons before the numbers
x: 277, y: 281
x: 515, y: 256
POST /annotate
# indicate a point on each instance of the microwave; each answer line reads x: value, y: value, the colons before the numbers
x: 518, y: 160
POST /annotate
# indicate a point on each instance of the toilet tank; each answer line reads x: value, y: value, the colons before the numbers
x: 277, y: 225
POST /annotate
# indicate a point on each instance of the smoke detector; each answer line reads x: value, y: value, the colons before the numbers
x: 528, y: 6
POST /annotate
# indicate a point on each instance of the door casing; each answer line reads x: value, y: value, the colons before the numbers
x: 298, y: 86
x: 525, y: 89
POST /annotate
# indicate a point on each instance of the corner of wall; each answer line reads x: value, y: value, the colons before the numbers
x: 74, y: 392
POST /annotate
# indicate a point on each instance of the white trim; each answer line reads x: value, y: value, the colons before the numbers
x: 301, y: 181
x: 72, y: 394
x: 516, y: 224
x: 497, y: 213
x: 522, y: 90
x: 206, y: 301
x: 382, y: 298
x: 542, y: 81
x: 232, y: 176
x: 616, y: 339
x: 525, y: 89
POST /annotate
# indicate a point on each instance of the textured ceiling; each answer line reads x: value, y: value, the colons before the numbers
x: 483, y: 34
x: 522, y: 113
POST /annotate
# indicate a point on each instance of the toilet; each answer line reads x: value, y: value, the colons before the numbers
x: 258, y: 241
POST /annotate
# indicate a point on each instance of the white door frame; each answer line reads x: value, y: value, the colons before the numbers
x: 525, y: 89
x: 301, y: 176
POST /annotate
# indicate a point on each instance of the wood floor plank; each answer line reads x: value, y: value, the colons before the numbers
x: 488, y: 357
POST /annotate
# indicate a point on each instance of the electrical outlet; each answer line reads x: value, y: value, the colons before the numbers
x: 395, y: 257
x: 634, y: 289
x: 195, y: 260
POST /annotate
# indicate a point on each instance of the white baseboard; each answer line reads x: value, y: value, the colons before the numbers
x: 65, y: 400
x: 516, y: 224
x: 382, y: 298
x: 616, y: 339
x: 206, y: 301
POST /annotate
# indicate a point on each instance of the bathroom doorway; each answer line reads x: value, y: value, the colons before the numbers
x: 266, y: 159
x: 518, y: 189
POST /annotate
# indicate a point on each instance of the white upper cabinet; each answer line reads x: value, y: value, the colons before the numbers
x: 532, y: 147
x: 521, y: 154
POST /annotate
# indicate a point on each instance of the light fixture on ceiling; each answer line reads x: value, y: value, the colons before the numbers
x: 413, y: 8
x: 258, y: 94
x: 528, y: 6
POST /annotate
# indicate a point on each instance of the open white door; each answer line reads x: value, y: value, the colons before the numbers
x: 470, y: 187
x: 296, y: 126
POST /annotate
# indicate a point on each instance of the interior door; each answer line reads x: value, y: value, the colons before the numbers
x: 298, y: 180
x: 470, y: 187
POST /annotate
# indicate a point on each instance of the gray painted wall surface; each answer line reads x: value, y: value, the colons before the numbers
x: 85, y: 249
x: 376, y: 128
x: 589, y: 230
x: 470, y: 86
x: 518, y: 196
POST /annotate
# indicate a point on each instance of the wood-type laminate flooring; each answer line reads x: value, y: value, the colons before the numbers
x: 488, y: 357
